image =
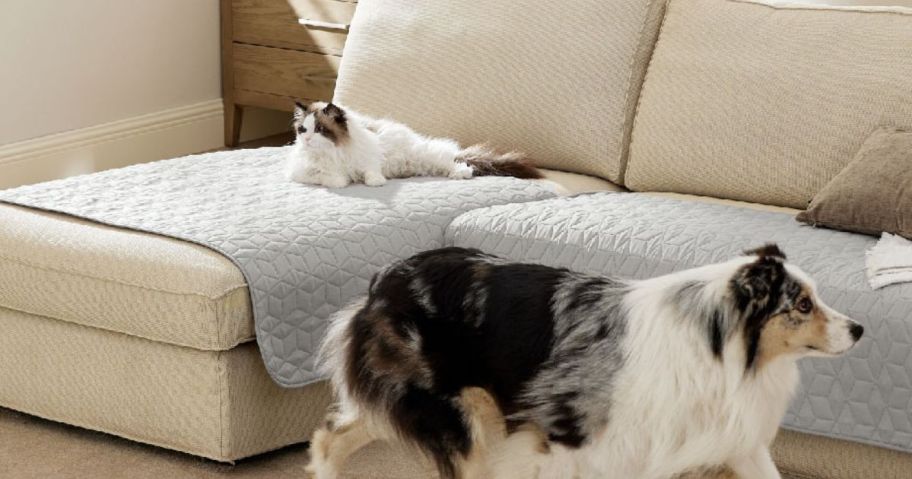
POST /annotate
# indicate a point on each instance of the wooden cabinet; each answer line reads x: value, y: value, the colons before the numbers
x: 277, y: 51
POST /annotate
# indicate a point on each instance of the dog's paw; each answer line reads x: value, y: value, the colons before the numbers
x: 374, y: 179
x: 461, y: 171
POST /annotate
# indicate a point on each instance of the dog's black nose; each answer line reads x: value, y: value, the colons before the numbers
x: 857, y: 330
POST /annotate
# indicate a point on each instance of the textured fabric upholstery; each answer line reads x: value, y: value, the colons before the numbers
x: 767, y: 103
x: 216, y: 404
x: 558, y: 81
x: 136, y: 283
x: 574, y: 183
x: 815, y: 457
x: 873, y: 194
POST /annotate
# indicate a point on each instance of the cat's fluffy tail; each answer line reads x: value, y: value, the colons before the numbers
x: 487, y: 162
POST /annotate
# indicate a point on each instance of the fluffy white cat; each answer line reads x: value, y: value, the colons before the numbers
x: 336, y: 146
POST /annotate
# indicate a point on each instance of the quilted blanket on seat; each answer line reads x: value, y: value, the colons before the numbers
x: 304, y: 251
x: 864, y: 396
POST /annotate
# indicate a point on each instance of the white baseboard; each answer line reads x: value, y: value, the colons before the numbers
x: 166, y: 134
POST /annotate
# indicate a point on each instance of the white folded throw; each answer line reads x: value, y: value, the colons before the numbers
x: 889, y: 261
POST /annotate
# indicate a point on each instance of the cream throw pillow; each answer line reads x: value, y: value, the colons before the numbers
x: 558, y: 81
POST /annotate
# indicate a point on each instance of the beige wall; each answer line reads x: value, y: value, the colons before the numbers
x: 74, y: 64
x: 70, y: 64
x: 87, y: 85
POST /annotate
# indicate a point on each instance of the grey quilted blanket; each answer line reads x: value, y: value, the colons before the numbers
x: 865, y: 396
x: 305, y: 251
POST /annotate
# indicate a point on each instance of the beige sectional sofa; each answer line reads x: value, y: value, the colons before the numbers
x: 151, y: 338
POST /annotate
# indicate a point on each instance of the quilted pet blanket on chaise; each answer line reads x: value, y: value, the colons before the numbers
x: 305, y: 251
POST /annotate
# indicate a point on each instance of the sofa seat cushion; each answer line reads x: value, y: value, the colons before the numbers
x: 767, y: 102
x: 723, y: 201
x: 865, y: 396
x: 120, y: 280
x: 574, y: 183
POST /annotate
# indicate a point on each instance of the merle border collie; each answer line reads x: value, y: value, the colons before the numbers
x: 508, y: 370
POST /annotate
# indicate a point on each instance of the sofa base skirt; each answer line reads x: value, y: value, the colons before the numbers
x: 816, y: 457
x: 220, y: 405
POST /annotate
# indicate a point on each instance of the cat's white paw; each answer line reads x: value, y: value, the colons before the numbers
x: 335, y: 181
x: 323, y: 471
x: 461, y: 171
x: 310, y: 470
x: 299, y: 174
x: 306, y: 179
x: 374, y: 179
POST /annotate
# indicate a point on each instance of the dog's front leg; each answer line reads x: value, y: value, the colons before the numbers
x: 758, y: 465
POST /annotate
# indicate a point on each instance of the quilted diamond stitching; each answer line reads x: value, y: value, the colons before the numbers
x: 305, y: 251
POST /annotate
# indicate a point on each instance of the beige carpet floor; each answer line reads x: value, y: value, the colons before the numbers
x: 33, y: 448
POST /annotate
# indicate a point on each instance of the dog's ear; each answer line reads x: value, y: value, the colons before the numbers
x: 769, y: 249
x: 757, y: 285
x: 757, y: 292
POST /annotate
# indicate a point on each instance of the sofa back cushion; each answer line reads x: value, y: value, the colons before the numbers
x: 558, y: 81
x: 765, y: 103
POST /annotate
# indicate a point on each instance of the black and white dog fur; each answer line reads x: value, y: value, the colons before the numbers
x: 507, y: 370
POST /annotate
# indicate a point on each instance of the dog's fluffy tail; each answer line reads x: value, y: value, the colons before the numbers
x: 331, y: 357
x: 487, y: 162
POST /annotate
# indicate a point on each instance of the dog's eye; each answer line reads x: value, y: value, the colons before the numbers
x: 804, y: 306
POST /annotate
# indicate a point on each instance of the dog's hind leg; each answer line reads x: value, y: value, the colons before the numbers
x: 487, y: 428
x: 332, y: 445
x: 437, y: 425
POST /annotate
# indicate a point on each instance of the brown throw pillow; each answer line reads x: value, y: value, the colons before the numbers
x: 873, y: 194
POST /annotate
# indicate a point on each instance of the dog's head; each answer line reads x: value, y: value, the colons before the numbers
x: 779, y: 312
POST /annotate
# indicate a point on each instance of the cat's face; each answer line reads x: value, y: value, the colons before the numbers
x: 320, y: 126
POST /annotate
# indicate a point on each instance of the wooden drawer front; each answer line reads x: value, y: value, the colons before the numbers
x: 264, y: 100
x: 330, y: 11
x: 275, y: 23
x: 285, y: 72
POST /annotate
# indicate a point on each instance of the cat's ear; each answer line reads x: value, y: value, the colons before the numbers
x: 300, y: 108
x: 333, y: 111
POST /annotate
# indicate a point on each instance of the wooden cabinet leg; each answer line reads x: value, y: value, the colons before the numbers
x: 233, y: 116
